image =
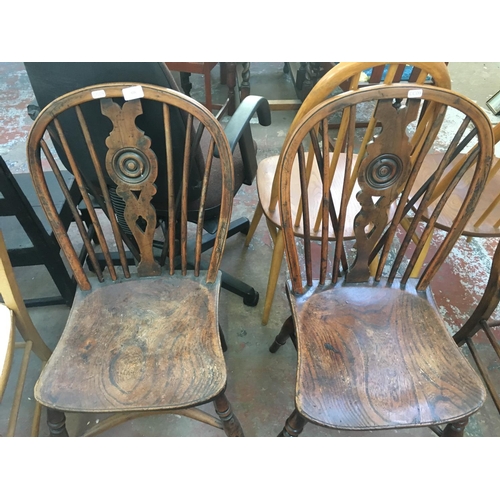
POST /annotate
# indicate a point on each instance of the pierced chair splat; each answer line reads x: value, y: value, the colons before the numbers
x: 140, y: 339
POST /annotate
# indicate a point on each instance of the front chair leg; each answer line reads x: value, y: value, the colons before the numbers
x: 456, y: 429
x: 56, y: 420
x: 294, y: 425
x: 232, y: 426
x: 287, y: 330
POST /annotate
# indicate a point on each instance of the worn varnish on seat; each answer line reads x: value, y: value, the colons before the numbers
x: 373, y: 351
x: 141, y: 338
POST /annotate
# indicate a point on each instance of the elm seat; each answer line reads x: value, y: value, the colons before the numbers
x: 160, y: 353
x: 372, y: 375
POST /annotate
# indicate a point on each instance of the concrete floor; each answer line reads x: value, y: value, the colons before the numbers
x: 260, y: 384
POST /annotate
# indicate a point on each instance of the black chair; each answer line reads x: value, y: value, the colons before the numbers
x: 51, y: 80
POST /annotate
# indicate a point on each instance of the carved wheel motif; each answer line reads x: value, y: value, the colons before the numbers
x: 131, y: 165
x: 384, y: 171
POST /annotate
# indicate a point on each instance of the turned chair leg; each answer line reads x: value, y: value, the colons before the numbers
x: 294, y: 425
x: 287, y: 330
x: 456, y: 429
x: 56, y: 420
x: 232, y: 426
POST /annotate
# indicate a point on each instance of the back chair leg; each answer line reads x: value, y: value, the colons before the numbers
x: 56, y: 420
x: 287, y: 330
x: 232, y: 426
x: 277, y: 259
x: 294, y: 425
x: 456, y: 429
x: 255, y: 222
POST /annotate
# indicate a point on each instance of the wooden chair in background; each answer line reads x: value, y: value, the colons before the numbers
x: 480, y: 321
x: 13, y: 314
x: 485, y: 221
x: 347, y: 76
x: 202, y: 68
x: 139, y: 340
x: 373, y: 350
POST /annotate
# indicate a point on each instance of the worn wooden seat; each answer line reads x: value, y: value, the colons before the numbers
x: 360, y: 372
x: 162, y: 348
x: 347, y: 77
x: 373, y: 351
x: 141, y: 338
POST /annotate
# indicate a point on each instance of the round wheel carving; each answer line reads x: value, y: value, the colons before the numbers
x: 131, y: 165
x: 384, y: 171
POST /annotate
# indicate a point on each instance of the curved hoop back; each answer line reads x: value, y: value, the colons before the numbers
x: 383, y: 175
x: 128, y: 178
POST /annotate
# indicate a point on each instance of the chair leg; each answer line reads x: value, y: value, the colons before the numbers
x: 222, y: 340
x: 287, y: 330
x: 294, y: 425
x: 456, y: 429
x: 255, y: 222
x: 56, y: 420
x: 232, y: 426
x: 274, y: 272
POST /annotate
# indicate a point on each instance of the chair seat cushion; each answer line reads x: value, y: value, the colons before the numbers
x: 149, y: 343
x: 375, y: 357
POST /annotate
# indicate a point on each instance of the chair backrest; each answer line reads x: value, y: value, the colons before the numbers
x: 382, y: 176
x: 347, y: 76
x: 51, y: 80
x: 130, y: 172
x: 485, y: 222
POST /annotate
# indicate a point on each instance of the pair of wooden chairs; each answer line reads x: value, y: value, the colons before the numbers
x: 373, y: 352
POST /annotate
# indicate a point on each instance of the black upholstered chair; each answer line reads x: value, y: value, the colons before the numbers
x: 51, y: 80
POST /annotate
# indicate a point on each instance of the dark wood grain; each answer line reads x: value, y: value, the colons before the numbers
x: 376, y: 357
x: 153, y: 345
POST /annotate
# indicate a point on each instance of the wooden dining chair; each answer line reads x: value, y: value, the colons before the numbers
x: 14, y: 315
x: 346, y: 76
x: 140, y: 339
x: 477, y: 331
x: 373, y: 350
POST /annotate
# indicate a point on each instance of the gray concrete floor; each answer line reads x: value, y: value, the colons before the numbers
x: 260, y: 384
